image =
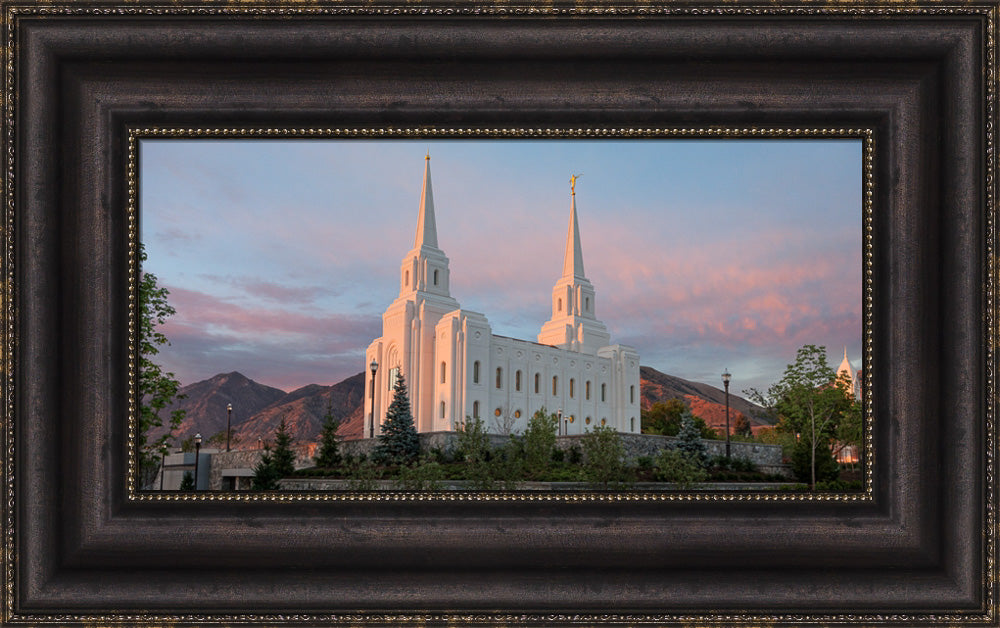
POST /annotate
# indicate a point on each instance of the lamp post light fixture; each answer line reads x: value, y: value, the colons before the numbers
x: 197, y: 454
x: 559, y: 422
x: 371, y: 420
x: 725, y: 381
x: 229, y: 417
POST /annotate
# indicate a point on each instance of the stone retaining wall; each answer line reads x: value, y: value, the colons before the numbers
x: 636, y: 446
x: 244, y: 459
x: 330, y: 484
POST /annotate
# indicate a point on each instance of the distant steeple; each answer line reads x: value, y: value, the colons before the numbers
x: 426, y: 226
x: 847, y: 371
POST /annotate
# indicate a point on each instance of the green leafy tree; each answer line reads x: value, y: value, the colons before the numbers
x: 809, y: 400
x: 663, y: 417
x: 328, y: 453
x: 265, y: 475
x: 157, y: 388
x: 539, y: 442
x: 284, y: 457
x: 689, y: 440
x: 398, y: 443
x: 187, y: 482
x: 604, y: 458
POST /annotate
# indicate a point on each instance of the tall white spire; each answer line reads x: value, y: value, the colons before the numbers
x: 574, y: 325
x: 426, y: 227
x: 573, y: 261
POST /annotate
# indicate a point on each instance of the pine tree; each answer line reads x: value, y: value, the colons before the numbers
x: 328, y: 454
x: 187, y: 482
x: 284, y: 457
x: 689, y: 440
x: 265, y: 476
x: 398, y: 443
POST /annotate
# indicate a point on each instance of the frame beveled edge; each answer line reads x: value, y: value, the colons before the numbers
x: 989, y: 531
x: 866, y: 135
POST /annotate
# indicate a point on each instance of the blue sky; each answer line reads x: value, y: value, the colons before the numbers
x: 705, y: 254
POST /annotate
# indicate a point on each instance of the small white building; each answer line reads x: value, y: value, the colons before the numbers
x: 455, y: 367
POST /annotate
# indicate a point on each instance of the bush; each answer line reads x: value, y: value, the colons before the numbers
x: 680, y: 467
x: 425, y: 475
x: 645, y: 463
x: 558, y: 455
x: 473, y: 446
x: 604, y: 458
x: 838, y: 485
x: 363, y: 475
x: 507, y: 465
x: 187, y: 482
x: 539, y: 442
x: 827, y: 468
x: 575, y: 455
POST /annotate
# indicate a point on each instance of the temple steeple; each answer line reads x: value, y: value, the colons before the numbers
x: 426, y: 226
x: 573, y: 261
x: 425, y: 267
x: 573, y: 324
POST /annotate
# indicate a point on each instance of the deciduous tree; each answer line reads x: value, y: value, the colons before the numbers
x: 157, y: 388
x: 810, y: 401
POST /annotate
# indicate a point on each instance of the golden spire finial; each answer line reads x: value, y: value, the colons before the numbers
x: 428, y: 156
x: 572, y: 183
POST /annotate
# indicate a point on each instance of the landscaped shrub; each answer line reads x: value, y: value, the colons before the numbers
x: 424, y: 475
x: 604, y: 458
x: 539, y: 442
x: 363, y: 475
x: 674, y: 465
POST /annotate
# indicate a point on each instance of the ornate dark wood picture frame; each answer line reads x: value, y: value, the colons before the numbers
x: 84, y: 79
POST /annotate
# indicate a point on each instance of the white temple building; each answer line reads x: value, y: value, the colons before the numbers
x: 455, y: 367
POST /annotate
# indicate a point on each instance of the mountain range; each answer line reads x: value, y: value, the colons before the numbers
x: 258, y: 409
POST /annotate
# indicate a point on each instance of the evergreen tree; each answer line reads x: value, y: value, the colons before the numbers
x: 689, y: 440
x: 284, y: 457
x: 187, y: 482
x: 398, y: 443
x: 265, y: 476
x: 328, y: 453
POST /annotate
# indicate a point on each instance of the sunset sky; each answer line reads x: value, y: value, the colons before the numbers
x: 280, y: 256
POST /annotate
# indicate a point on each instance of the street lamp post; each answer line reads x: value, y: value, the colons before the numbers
x: 725, y: 381
x: 559, y: 422
x: 371, y: 420
x: 229, y: 418
x: 197, y: 454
